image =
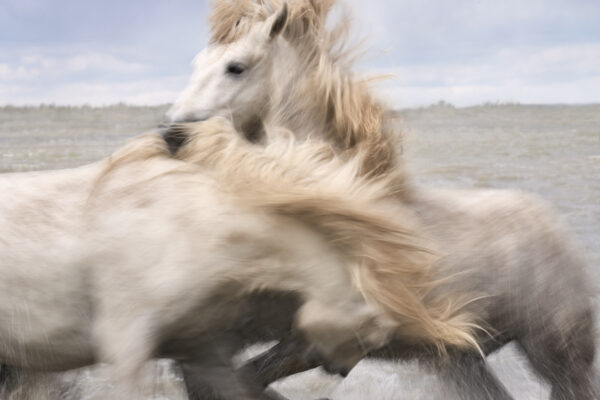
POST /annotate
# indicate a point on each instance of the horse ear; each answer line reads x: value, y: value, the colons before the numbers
x: 277, y: 21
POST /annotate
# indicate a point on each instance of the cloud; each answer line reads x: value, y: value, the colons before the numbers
x: 463, y: 51
x: 468, y: 95
x: 35, y: 68
x: 88, y: 52
x: 466, y: 28
x: 93, y: 78
x: 551, y: 64
x: 102, y: 62
x: 142, y: 91
x: 554, y: 74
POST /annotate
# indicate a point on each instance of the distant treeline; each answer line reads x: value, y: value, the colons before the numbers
x: 163, y: 107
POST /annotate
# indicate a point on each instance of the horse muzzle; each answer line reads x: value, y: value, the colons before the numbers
x: 175, y: 136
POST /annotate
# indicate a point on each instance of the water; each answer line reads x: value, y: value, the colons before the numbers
x: 58, y: 137
x: 553, y: 151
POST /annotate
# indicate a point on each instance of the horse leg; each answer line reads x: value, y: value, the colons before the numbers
x: 201, y: 385
x: 196, y: 389
x: 126, y: 346
x: 211, y: 377
x: 290, y: 356
x: 280, y: 361
x: 468, y: 373
x: 471, y: 378
x: 565, y: 360
x: 9, y: 380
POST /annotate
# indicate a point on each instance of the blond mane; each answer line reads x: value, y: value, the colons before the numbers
x: 347, y: 199
x: 145, y: 148
x: 355, y: 120
x: 308, y: 182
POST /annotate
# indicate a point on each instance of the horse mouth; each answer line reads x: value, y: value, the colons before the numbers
x: 174, y: 133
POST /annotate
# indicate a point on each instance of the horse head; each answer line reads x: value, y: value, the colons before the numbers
x: 234, y: 80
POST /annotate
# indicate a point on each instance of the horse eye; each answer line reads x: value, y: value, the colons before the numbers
x: 236, y: 68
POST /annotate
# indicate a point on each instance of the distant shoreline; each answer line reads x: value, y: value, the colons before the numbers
x: 440, y: 104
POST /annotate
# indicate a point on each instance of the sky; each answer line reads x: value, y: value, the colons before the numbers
x: 465, y: 52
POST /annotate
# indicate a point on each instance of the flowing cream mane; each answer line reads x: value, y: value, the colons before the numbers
x: 307, y: 181
x: 348, y: 199
x: 355, y: 120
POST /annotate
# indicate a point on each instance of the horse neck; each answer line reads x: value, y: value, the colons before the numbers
x: 292, y: 105
x: 320, y: 98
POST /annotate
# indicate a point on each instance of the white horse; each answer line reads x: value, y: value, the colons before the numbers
x: 151, y: 258
x: 142, y: 256
x: 265, y: 69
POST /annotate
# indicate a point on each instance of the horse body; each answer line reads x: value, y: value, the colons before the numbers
x: 507, y: 250
x: 40, y: 236
x: 504, y: 243
x: 510, y: 248
x: 122, y: 270
x: 503, y: 247
x: 510, y: 251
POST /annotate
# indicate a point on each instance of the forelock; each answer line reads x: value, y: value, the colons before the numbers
x: 232, y: 19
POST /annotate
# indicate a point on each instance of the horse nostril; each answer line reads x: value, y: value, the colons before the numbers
x: 175, y: 136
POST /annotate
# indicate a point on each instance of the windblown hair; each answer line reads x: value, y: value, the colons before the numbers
x: 349, y: 199
x: 306, y: 181
x: 144, y: 148
x: 356, y: 121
